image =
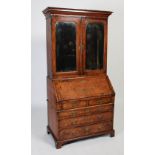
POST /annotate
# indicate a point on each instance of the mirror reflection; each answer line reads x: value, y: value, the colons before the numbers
x: 65, y: 46
x: 94, y: 46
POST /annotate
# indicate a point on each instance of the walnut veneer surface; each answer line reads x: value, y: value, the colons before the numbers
x: 82, y: 87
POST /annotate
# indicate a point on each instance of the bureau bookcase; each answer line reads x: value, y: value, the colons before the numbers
x: 80, y: 94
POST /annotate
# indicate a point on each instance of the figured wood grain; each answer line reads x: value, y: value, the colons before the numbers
x: 85, y: 120
x: 82, y: 88
x: 85, y: 130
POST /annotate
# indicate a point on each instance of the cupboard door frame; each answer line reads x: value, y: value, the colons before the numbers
x: 84, y: 25
x: 55, y: 19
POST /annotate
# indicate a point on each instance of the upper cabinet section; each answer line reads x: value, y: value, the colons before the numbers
x: 76, y: 42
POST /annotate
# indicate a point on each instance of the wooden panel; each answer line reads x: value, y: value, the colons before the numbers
x: 82, y: 87
x: 85, y: 120
x: 52, y: 120
x: 85, y: 111
x: 85, y: 130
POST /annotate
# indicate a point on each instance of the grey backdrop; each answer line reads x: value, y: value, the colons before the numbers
x: 43, y: 143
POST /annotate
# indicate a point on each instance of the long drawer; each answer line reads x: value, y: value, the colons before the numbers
x: 85, y: 111
x: 84, y: 120
x: 65, y: 105
x: 85, y: 130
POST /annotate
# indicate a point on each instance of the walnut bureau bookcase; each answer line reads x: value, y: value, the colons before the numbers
x: 80, y: 94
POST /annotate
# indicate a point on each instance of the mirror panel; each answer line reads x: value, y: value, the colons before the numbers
x: 65, y: 46
x: 94, y: 46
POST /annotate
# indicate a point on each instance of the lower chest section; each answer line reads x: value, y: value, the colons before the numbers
x: 85, y: 118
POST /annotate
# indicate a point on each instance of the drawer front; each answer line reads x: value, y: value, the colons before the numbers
x: 85, y: 131
x: 101, y: 101
x: 85, y: 120
x: 65, y: 105
x: 85, y: 111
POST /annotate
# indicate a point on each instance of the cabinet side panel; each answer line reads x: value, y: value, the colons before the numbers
x: 49, y: 46
x: 52, y: 115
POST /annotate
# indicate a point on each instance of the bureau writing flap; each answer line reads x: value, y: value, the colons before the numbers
x: 82, y: 87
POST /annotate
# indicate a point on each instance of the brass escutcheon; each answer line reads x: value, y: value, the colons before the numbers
x: 100, y: 128
x: 86, y: 129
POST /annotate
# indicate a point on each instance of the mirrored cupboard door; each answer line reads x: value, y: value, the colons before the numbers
x: 94, y: 46
x: 66, y: 45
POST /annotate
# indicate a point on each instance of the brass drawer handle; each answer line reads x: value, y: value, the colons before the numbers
x: 74, y: 104
x: 87, y: 110
x: 99, y: 117
x: 73, y: 123
x: 86, y: 129
x: 100, y: 101
x: 103, y: 101
x: 73, y: 113
x: 101, y: 110
x: 101, y: 127
x: 72, y: 134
